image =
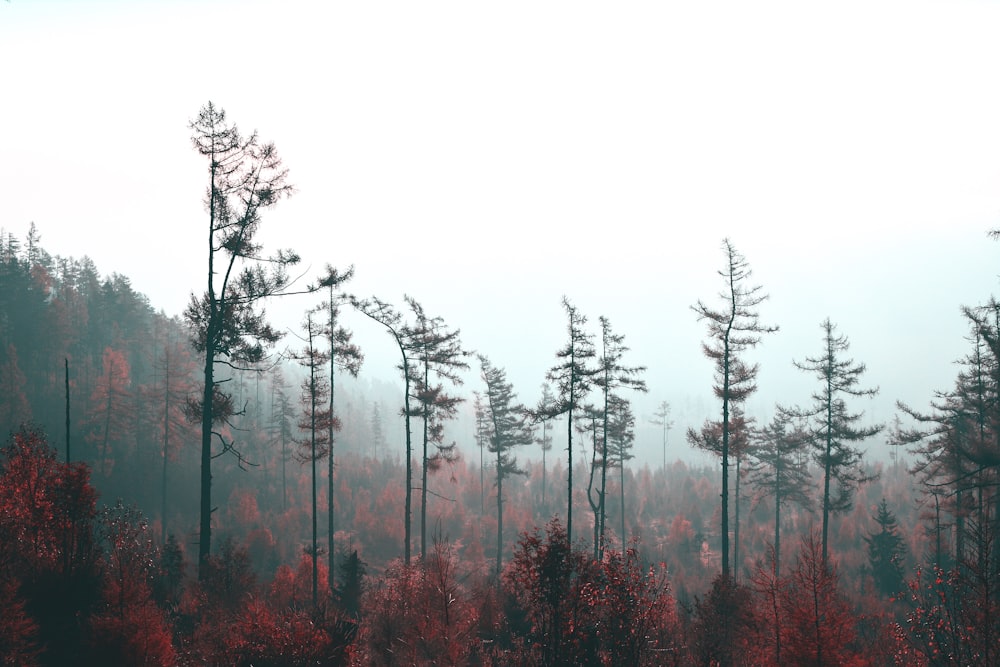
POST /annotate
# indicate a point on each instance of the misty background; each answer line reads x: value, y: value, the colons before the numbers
x: 489, y: 160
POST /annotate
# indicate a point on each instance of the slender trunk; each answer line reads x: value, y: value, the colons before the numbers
x: 736, y: 523
x: 409, y: 458
x: 595, y: 507
x: 569, y: 470
x: 545, y: 424
x: 107, y: 419
x: 66, y: 361
x: 423, y: 471
x: 331, y: 554
x: 725, y: 468
x: 827, y: 460
x: 604, y: 466
x: 499, y: 514
x: 621, y: 471
x: 166, y: 445
x: 284, y: 475
x: 205, y: 527
x: 777, y: 532
x: 205, y: 510
x: 312, y: 458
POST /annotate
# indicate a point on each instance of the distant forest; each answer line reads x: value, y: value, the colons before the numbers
x: 172, y: 491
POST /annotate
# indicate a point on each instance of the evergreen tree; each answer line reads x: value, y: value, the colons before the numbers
x: 833, y: 429
x: 316, y: 423
x: 245, y: 177
x: 779, y: 470
x: 733, y: 329
x: 573, y: 377
x: 509, y: 427
x: 611, y: 377
x: 541, y: 415
x: 438, y: 355
x: 886, y: 551
x: 347, y: 356
x: 620, y: 440
x: 392, y: 320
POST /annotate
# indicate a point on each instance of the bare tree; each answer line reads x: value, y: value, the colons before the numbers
x: 662, y: 419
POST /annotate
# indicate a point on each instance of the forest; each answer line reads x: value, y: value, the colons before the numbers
x: 175, y: 490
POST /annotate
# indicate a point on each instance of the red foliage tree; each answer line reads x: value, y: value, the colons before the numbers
x: 818, y: 625
x: 110, y: 422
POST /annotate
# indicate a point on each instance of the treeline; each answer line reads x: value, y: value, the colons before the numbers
x: 148, y: 408
x: 896, y: 584
x: 90, y: 581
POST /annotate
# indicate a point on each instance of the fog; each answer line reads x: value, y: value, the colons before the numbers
x: 489, y: 161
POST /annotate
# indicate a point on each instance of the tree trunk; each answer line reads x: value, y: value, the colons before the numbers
x: 499, y: 516
x: 423, y: 472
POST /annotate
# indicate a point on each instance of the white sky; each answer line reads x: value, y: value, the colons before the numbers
x: 487, y: 158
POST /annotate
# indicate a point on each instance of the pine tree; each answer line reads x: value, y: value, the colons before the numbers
x: 509, y: 427
x: 612, y: 376
x: 733, y: 329
x: 573, y: 377
x: 779, y: 470
x: 541, y: 415
x: 438, y: 354
x: 833, y: 429
x: 315, y: 423
x: 245, y: 177
x: 347, y: 356
x: 392, y: 320
x: 886, y: 551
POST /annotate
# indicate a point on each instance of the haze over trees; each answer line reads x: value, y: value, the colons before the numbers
x: 184, y: 430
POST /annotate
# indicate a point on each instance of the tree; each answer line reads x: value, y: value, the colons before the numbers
x: 131, y: 629
x: 733, y: 329
x: 392, y: 320
x: 886, y: 551
x: 541, y: 414
x: 437, y: 351
x: 662, y: 419
x: 780, y: 471
x: 710, y: 439
x: 611, y: 377
x: 316, y: 422
x: 14, y: 407
x: 833, y: 429
x: 573, y: 377
x: 482, y: 441
x: 347, y: 356
x: 280, y: 426
x: 246, y: 177
x: 818, y: 620
x: 620, y: 439
x: 110, y: 420
x: 173, y: 370
x: 508, y: 428
x: 378, y: 432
